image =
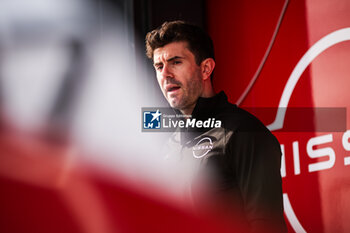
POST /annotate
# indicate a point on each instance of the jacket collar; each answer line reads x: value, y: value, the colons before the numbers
x: 205, y: 108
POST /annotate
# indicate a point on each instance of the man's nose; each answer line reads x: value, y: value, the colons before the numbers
x: 167, y: 72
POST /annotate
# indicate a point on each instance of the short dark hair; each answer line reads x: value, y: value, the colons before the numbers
x: 199, y: 42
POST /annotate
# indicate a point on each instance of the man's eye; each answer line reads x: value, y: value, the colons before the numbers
x: 177, y: 62
x: 159, y: 67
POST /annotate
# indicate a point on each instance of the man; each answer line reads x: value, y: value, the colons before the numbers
x: 242, y: 154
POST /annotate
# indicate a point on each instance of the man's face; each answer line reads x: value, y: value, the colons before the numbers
x: 178, y: 75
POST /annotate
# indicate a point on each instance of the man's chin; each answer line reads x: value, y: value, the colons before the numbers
x: 175, y: 104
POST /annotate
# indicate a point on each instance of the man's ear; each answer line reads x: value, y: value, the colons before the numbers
x: 207, y: 67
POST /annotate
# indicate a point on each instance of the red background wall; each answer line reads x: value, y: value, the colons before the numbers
x: 242, y: 31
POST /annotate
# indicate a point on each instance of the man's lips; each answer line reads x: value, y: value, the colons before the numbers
x: 172, y: 88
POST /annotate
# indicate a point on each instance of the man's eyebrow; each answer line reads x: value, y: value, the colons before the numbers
x: 174, y: 58
x: 168, y: 60
x: 157, y: 63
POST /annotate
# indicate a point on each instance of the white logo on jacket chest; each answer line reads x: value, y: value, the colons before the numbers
x: 203, y: 147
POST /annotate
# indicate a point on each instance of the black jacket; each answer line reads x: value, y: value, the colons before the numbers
x: 244, y: 160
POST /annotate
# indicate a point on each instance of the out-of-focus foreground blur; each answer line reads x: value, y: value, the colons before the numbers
x: 73, y: 158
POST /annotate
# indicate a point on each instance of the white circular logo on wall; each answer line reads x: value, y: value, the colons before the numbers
x: 324, y: 43
x: 202, y: 147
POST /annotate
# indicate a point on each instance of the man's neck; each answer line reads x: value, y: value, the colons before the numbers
x: 209, y: 93
x: 189, y: 110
